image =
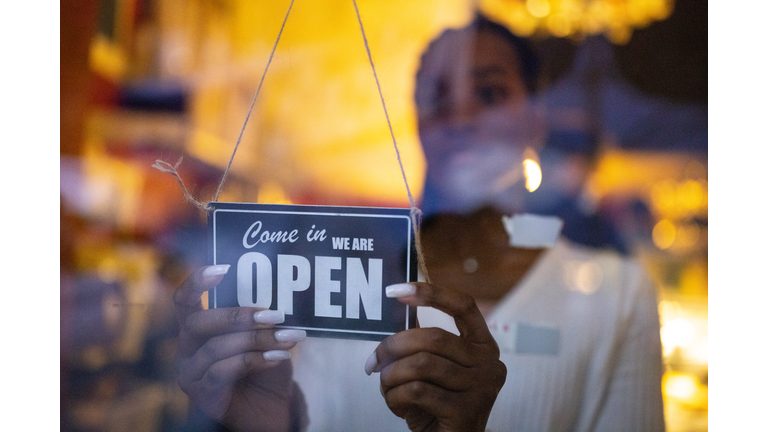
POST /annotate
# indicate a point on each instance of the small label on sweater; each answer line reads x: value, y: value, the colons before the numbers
x: 525, y: 338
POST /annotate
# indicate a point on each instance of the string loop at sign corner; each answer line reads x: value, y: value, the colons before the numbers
x: 173, y: 170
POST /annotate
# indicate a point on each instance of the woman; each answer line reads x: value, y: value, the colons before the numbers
x: 536, y: 345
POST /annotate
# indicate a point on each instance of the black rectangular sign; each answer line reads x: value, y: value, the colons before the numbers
x: 325, y: 267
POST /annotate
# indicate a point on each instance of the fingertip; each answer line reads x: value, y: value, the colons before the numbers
x: 290, y: 335
x: 400, y: 290
x: 215, y: 270
x: 200, y: 281
x: 276, y: 355
x: 371, y: 363
x: 207, y: 277
x: 269, y: 316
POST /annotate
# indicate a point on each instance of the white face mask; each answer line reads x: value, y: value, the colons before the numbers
x: 480, y: 164
x: 483, y: 175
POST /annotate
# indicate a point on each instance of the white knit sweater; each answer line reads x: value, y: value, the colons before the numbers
x: 579, y: 336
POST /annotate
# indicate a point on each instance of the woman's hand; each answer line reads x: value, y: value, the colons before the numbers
x: 435, y: 380
x: 230, y: 361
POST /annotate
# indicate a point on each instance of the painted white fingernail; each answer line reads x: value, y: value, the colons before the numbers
x: 216, y: 270
x: 276, y: 355
x: 371, y: 363
x: 269, y: 317
x: 400, y: 290
x: 290, y: 335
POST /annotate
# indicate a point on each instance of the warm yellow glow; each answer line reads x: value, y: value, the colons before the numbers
x: 107, y: 59
x: 619, y: 35
x: 532, y: 173
x: 699, y: 351
x: 538, y: 8
x: 513, y: 14
x: 688, y: 234
x: 209, y: 147
x: 694, y: 279
x: 562, y: 18
x: 272, y: 193
x: 680, y: 385
x: 691, y: 195
x: 664, y: 234
x: 678, y: 333
x: 559, y: 25
x: 663, y: 195
x: 669, y: 310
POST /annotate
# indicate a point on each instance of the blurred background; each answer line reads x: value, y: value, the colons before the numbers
x: 625, y: 98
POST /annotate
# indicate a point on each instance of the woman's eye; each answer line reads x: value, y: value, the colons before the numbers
x: 491, y: 95
x: 436, y: 101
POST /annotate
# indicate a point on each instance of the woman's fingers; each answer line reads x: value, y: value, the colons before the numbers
x: 422, y: 395
x: 268, y: 343
x: 431, y: 340
x: 214, y: 322
x: 435, y: 379
x: 202, y: 325
x: 426, y: 367
x: 474, y: 344
x: 460, y: 306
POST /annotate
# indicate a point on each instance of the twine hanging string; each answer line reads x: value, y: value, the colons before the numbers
x: 173, y: 169
x: 415, y: 211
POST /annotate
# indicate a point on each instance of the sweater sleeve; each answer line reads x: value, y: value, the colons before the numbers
x: 633, y: 401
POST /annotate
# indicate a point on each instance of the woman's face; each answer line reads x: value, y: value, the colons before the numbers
x: 475, y: 121
x: 469, y: 81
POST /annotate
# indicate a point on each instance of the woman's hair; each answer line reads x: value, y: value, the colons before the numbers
x: 527, y: 57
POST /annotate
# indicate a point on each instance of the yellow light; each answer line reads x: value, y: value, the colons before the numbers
x: 569, y: 18
x: 663, y: 195
x: 664, y: 234
x: 690, y: 195
x: 559, y: 25
x: 107, y: 59
x: 699, y: 351
x: 620, y: 35
x: 532, y: 173
x: 669, y: 310
x: 538, y: 8
x: 679, y: 385
x: 688, y: 234
x: 521, y: 23
x: 678, y: 332
x: 272, y: 193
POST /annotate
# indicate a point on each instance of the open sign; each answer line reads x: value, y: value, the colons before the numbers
x: 325, y: 267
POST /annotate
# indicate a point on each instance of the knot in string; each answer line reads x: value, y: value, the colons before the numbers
x: 173, y: 170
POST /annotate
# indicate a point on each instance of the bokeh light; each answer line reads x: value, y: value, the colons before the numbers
x: 664, y: 233
x: 532, y: 172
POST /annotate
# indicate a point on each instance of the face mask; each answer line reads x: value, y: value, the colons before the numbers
x: 479, y: 162
x: 483, y: 175
x: 487, y: 174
